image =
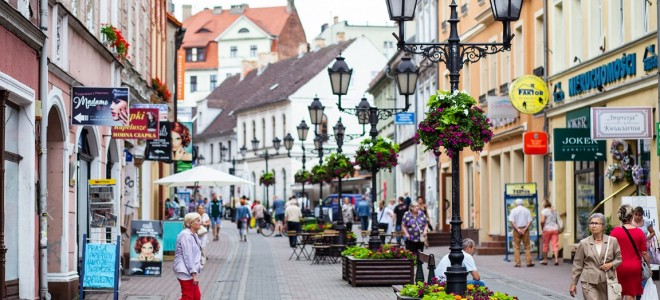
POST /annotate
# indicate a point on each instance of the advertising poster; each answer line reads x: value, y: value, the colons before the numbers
x: 100, y: 266
x: 99, y: 106
x: 101, y: 203
x: 146, y: 248
x: 160, y: 149
x: 162, y: 109
x: 650, y: 206
x: 143, y: 125
x: 181, y: 136
x: 528, y: 193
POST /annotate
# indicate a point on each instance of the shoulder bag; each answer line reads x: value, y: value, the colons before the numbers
x: 614, y: 289
x: 560, y: 223
x: 646, y: 271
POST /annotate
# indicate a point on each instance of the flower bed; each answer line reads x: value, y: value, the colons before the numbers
x: 435, y: 290
x: 267, y: 179
x: 381, y: 154
x: 453, y: 122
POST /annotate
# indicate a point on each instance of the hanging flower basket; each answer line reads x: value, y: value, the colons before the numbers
x: 453, y: 122
x: 267, y: 179
x: 619, y: 149
x: 339, y: 165
x: 381, y: 154
x: 302, y: 176
x: 115, y: 39
x: 638, y: 175
x: 161, y: 89
x: 614, y: 173
x: 320, y: 174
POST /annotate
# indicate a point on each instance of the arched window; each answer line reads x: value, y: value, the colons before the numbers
x: 263, y: 131
x: 283, y: 125
x: 243, y: 30
x: 273, y: 123
x: 244, y: 134
x: 323, y: 131
x: 284, y: 184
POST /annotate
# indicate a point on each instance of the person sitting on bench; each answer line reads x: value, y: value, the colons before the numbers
x: 469, y: 248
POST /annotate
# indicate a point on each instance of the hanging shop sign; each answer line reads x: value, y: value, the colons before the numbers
x: 621, y: 123
x: 535, y: 142
x: 529, y: 94
x: 604, y: 74
x: 578, y: 118
x: 162, y: 109
x: 99, y: 106
x: 143, y: 125
x: 146, y: 248
x: 160, y: 149
x: 500, y: 110
x: 575, y: 144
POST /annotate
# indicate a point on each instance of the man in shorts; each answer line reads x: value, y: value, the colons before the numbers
x: 278, y: 207
x: 216, y: 216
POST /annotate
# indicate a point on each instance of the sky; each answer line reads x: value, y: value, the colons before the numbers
x: 314, y: 13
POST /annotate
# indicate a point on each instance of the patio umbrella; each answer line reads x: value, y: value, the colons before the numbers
x: 201, y: 176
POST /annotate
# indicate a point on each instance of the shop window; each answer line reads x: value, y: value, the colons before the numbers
x: 588, y: 192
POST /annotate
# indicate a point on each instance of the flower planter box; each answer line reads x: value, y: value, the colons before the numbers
x: 377, y: 272
x: 399, y: 297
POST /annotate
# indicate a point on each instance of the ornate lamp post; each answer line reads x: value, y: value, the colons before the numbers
x: 339, y: 130
x: 318, y: 145
x: 266, y: 156
x: 454, y: 54
x: 302, y: 130
x: 232, y: 170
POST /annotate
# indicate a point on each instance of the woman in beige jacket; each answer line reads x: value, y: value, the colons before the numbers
x: 591, y: 265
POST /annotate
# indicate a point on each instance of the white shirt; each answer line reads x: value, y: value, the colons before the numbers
x: 385, y: 215
x: 468, y: 263
x: 520, y: 216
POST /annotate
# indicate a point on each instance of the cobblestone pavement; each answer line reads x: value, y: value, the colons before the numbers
x: 260, y: 269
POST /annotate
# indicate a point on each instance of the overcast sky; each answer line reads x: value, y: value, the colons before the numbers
x: 313, y: 13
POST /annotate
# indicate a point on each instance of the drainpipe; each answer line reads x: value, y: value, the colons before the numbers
x: 43, y: 175
x: 546, y: 164
x: 4, y: 94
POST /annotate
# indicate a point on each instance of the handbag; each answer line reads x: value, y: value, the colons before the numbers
x: 614, y: 290
x: 654, y: 252
x: 203, y: 260
x: 560, y: 223
x: 202, y: 231
x: 646, y: 271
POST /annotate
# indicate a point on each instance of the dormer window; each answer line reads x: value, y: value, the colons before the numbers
x: 195, y: 54
x: 243, y: 30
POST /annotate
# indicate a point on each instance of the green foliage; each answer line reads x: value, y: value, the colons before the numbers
x: 320, y: 174
x: 435, y: 290
x: 381, y: 154
x: 453, y: 122
x: 267, y: 179
x: 302, y: 176
x: 339, y: 165
x: 386, y: 251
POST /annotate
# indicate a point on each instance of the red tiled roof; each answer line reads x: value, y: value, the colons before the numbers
x: 270, y: 19
x: 276, y: 83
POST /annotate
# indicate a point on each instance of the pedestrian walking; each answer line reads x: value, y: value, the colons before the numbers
x: 188, y: 257
x: 216, y: 217
x: 363, y: 210
x: 385, y: 216
x: 258, y: 213
x: 595, y: 256
x: 202, y: 233
x: 242, y: 217
x: 348, y: 213
x: 521, y: 219
x: 278, y: 207
x: 633, y: 249
x: 550, y: 227
x: 415, y: 228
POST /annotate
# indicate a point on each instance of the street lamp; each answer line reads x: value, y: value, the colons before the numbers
x: 339, y: 130
x: 266, y: 156
x: 232, y: 170
x: 302, y: 130
x: 454, y: 54
x: 340, y: 78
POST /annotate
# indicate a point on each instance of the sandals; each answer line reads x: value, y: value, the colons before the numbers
x: 545, y: 263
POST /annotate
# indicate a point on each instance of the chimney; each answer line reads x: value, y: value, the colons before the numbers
x: 186, y: 11
x: 248, y: 65
x: 302, y: 49
x: 217, y: 10
x: 319, y: 43
x: 324, y: 27
x: 335, y: 20
x: 341, y: 36
x: 290, y: 6
x: 238, y: 9
x: 266, y: 58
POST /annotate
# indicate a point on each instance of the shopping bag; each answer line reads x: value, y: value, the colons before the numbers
x: 253, y: 222
x: 654, y: 253
x: 650, y: 291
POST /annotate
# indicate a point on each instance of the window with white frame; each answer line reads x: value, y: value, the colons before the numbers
x: 519, y: 48
x: 538, y: 41
x: 211, y: 151
x: 253, y: 51
x: 213, y: 81
x: 557, y: 47
x: 639, y: 16
x: 575, y: 32
x: 483, y: 77
x: 193, y: 83
x: 492, y: 68
x: 466, y: 77
x: 233, y: 51
x: 505, y: 68
x: 616, y: 24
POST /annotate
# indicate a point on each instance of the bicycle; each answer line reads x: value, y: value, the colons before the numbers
x: 267, y: 227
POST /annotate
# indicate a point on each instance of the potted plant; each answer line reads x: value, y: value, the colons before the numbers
x: 114, y: 38
x: 311, y: 228
x: 161, y: 89
x: 436, y: 290
x: 386, y: 266
x: 339, y: 165
x: 453, y: 122
x: 302, y: 176
x: 320, y: 174
x: 379, y: 154
x: 267, y: 179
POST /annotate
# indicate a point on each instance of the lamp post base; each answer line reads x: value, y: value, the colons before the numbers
x: 374, y: 238
x: 456, y: 280
x: 341, y: 239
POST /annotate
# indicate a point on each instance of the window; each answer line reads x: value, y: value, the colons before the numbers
x: 469, y: 176
x: 640, y: 17
x: 189, y: 54
x: 506, y: 66
x: 244, y: 134
x: 193, y: 83
x: 233, y: 51
x: 483, y: 77
x: 595, y: 31
x: 195, y: 54
x: 201, y: 54
x: 588, y: 189
x: 253, y: 51
x: 214, y: 81
x: 228, y: 149
x: 243, y: 30
x: 283, y: 125
x: 616, y: 23
x: 538, y: 41
x: 274, y: 125
x: 519, y: 57
x: 263, y: 131
x: 211, y: 151
x: 557, y: 48
x: 576, y: 31
x: 492, y: 68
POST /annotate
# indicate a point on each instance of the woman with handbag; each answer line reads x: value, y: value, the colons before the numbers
x: 595, y: 256
x: 188, y: 257
x: 202, y: 233
x: 633, y: 248
x: 550, y: 228
x: 415, y: 228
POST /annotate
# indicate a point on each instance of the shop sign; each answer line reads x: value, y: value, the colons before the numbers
x: 162, y: 109
x: 527, y: 189
x: 100, y: 106
x: 404, y: 118
x: 603, y: 74
x: 143, y: 125
x: 500, y: 110
x: 621, y: 123
x: 575, y: 144
x: 161, y: 148
x: 578, y: 118
x: 535, y: 142
x: 529, y: 94
x: 650, y: 59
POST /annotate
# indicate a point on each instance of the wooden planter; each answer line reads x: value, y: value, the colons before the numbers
x: 377, y: 272
x: 399, y: 297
